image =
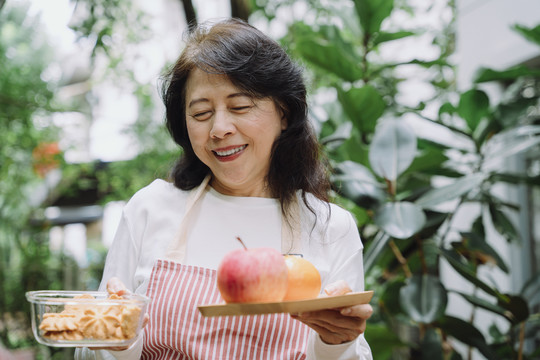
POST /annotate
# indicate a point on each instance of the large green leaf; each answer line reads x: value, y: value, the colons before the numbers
x: 516, y: 305
x: 423, y: 298
x: 464, y: 269
x: 372, y: 13
x: 458, y: 188
x: 392, y: 149
x: 467, y: 334
x: 357, y: 183
x: 531, y: 34
x: 484, y: 304
x: 326, y: 55
x: 400, y: 220
x: 363, y: 106
x: 485, y: 75
x: 473, y: 107
x: 508, y: 143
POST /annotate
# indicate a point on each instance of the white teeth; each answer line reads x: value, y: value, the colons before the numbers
x: 230, y: 152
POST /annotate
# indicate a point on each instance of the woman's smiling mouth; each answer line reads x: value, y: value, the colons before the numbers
x: 230, y: 153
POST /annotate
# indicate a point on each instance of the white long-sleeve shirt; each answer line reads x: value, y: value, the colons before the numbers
x: 150, y: 221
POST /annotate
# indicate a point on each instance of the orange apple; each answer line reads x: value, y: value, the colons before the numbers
x: 252, y: 275
x: 304, y: 280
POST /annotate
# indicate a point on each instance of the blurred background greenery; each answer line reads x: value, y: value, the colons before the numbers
x: 440, y: 171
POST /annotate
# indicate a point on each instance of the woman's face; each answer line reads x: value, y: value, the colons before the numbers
x: 232, y: 133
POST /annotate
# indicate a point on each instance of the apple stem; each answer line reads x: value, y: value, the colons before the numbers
x: 241, y: 242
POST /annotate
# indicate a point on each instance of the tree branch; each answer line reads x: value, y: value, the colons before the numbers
x: 240, y: 9
x: 189, y: 11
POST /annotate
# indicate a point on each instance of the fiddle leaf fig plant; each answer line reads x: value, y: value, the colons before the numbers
x: 406, y: 187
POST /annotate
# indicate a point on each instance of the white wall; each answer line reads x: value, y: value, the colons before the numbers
x: 485, y: 37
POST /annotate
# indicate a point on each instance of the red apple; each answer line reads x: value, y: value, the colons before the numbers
x: 252, y: 275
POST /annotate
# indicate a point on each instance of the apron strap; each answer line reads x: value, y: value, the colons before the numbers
x: 177, y: 248
x: 290, y: 228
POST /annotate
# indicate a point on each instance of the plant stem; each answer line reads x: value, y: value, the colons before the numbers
x: 521, y: 340
x: 450, y: 219
x: 400, y: 258
x: 421, y: 255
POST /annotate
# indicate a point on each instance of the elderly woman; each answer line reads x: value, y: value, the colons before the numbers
x: 236, y: 104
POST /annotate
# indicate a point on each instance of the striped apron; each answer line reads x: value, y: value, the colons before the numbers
x: 176, y: 329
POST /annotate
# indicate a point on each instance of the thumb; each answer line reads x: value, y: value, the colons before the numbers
x: 338, y: 288
x: 116, y: 286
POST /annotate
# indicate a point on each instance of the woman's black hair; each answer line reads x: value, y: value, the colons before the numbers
x: 258, y: 65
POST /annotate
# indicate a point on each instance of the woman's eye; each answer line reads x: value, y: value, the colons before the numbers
x: 203, y: 115
x: 241, y: 108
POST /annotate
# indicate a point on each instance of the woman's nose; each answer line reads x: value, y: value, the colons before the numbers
x: 222, y: 125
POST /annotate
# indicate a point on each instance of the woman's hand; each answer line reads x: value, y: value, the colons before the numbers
x: 116, y: 286
x: 337, y: 326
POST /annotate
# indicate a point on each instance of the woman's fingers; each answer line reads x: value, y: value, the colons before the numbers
x: 116, y: 286
x: 363, y: 311
x: 336, y: 326
x: 338, y: 288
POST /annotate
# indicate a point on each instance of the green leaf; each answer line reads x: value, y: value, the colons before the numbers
x: 326, y: 55
x: 375, y: 250
x: 400, y: 220
x: 342, y: 134
x: 372, y: 13
x: 531, y: 34
x: 516, y: 305
x: 531, y: 291
x: 354, y: 149
x: 508, y: 143
x: 502, y: 223
x: 363, y: 106
x: 431, y: 346
x: 516, y: 178
x: 382, y: 341
x: 512, y: 113
x: 467, y: 334
x: 485, y: 75
x: 473, y: 107
x: 423, y: 298
x: 389, y: 296
x: 484, y: 304
x: 382, y: 37
x: 464, y: 269
x: 458, y: 188
x: 447, y: 108
x: 428, y: 161
x: 360, y: 213
x: 357, y: 183
x: 392, y: 149
x: 476, y: 244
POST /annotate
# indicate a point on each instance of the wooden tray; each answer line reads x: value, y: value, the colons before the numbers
x: 325, y: 302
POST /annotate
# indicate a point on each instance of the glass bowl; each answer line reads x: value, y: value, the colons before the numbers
x: 86, y: 318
